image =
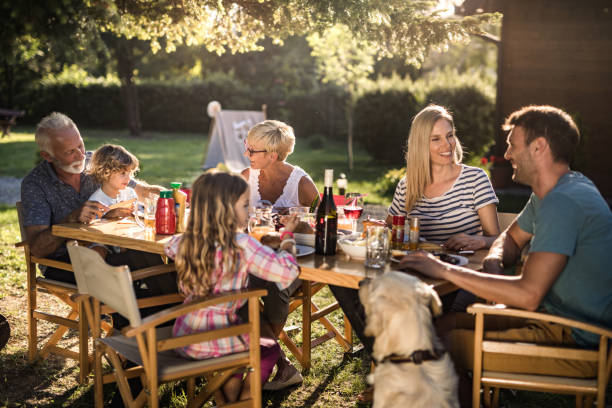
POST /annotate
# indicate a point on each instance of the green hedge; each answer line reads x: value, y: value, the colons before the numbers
x: 183, y: 107
x: 473, y: 114
x: 382, y: 118
x: 382, y: 123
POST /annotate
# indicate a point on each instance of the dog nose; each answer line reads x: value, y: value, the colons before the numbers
x: 364, y: 281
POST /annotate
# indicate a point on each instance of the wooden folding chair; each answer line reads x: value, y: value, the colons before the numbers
x: 312, y: 313
x: 586, y: 390
x: 74, y: 319
x: 61, y: 291
x: 152, y: 347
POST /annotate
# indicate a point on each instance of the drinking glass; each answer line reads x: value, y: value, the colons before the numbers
x: 261, y: 223
x: 353, y: 208
x: 377, y: 246
x: 303, y: 214
x: 150, y: 206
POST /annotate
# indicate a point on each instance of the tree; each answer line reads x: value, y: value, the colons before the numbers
x: 394, y: 27
x: 346, y: 34
x: 347, y: 62
x: 408, y: 28
x: 29, y: 36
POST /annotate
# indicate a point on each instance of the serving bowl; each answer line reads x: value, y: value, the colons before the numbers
x: 304, y: 239
x: 353, y: 245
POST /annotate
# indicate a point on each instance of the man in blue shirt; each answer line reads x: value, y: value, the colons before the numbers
x: 567, y: 271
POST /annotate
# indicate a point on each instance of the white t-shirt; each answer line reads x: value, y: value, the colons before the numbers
x: 100, y: 196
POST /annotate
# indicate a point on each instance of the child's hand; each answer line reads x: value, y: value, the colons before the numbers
x: 291, y: 222
x: 118, y: 213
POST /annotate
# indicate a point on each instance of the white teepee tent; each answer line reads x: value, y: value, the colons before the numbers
x: 228, y: 131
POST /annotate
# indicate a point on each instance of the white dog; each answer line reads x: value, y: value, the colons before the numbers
x: 399, y: 309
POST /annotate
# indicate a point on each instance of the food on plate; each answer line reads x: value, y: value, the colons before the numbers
x: 304, y: 228
x: 447, y: 258
x: 425, y: 246
x: 123, y: 204
x: 355, y: 242
x: 272, y: 240
x: 353, y: 247
x: 398, y: 253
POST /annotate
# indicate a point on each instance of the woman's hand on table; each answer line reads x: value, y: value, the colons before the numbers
x: 425, y: 263
x: 462, y: 242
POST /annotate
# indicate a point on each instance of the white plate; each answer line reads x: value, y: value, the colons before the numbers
x: 303, y: 250
x: 304, y: 239
x: 462, y: 259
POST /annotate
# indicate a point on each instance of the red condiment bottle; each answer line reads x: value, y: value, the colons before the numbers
x: 165, y: 217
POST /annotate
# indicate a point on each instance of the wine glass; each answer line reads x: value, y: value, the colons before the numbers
x: 353, y: 208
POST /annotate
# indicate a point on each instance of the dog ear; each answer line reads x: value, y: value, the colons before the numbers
x: 435, y: 304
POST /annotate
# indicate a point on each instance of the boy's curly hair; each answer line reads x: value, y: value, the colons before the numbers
x: 109, y: 159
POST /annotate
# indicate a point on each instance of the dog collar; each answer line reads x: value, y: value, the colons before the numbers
x: 417, y: 357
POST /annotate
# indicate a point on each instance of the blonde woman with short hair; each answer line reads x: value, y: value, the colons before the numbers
x: 270, y: 177
x: 455, y: 203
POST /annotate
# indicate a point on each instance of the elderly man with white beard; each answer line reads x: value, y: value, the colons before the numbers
x: 57, y: 190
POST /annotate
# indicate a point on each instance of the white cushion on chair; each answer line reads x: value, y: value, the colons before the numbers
x: 168, y: 362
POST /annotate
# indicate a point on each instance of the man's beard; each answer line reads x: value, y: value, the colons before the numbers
x: 76, y: 167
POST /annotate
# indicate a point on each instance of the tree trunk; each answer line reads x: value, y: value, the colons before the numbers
x: 6, y: 94
x: 129, y: 92
x: 350, y: 107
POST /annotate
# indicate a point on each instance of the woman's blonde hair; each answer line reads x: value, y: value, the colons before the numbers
x: 276, y: 136
x: 418, y: 165
x: 109, y: 159
x: 212, y: 224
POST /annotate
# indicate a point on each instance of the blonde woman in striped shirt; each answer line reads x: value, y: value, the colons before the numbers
x: 455, y: 203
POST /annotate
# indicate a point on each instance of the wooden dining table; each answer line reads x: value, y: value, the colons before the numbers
x: 340, y: 270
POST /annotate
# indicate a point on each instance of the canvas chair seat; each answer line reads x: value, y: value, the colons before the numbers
x: 149, y: 343
x: 42, y: 281
x: 169, y: 363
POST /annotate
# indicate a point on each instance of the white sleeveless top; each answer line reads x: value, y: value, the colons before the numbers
x: 288, y: 198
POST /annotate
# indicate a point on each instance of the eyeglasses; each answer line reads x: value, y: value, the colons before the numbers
x: 252, y: 152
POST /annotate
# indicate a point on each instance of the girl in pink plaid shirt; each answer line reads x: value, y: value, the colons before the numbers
x: 214, y: 255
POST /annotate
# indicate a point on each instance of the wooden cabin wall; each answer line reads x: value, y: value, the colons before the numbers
x: 559, y: 52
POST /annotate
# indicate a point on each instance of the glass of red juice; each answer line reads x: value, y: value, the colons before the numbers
x: 353, y: 208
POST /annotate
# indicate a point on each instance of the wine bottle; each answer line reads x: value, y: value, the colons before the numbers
x: 327, y: 219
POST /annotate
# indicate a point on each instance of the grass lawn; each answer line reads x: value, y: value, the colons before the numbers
x: 334, y: 379
x: 166, y: 157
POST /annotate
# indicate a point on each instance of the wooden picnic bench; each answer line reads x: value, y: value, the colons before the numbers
x: 8, y: 118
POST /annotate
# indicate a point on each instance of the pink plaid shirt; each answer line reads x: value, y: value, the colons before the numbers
x: 255, y: 258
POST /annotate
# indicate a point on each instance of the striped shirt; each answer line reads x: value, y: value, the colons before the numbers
x: 254, y: 258
x: 453, y: 212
